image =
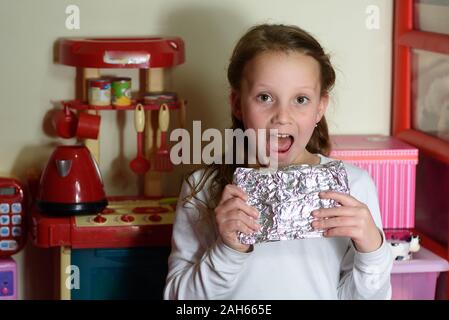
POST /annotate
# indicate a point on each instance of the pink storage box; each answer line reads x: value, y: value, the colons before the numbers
x: 416, y: 279
x: 392, y: 165
x: 8, y: 279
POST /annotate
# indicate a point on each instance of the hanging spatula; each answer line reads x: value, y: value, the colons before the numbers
x: 162, y: 160
x: 140, y: 164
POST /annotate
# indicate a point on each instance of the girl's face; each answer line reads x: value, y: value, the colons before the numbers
x: 282, y: 91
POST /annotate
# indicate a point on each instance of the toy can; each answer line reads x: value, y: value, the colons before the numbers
x: 121, y: 92
x: 99, y: 92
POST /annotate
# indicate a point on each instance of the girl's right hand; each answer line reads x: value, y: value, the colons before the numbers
x: 233, y: 214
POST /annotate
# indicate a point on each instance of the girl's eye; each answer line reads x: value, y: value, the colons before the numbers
x: 264, y: 97
x: 302, y: 100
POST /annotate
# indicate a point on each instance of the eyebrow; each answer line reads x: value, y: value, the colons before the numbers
x: 268, y: 86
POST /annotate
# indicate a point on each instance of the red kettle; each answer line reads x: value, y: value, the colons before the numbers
x: 71, y: 183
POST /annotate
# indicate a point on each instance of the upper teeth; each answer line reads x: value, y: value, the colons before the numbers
x: 282, y: 135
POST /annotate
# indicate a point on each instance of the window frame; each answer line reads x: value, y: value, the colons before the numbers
x: 407, y: 38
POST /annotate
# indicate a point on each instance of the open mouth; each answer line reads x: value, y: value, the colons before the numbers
x: 283, y: 142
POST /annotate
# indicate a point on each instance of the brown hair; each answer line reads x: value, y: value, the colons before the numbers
x: 259, y: 39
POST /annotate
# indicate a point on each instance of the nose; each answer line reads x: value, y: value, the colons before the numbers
x: 281, y: 114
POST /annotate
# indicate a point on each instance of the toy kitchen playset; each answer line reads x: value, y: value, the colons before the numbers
x: 12, y: 234
x: 111, y: 247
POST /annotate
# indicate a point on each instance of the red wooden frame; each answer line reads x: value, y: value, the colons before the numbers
x: 405, y: 39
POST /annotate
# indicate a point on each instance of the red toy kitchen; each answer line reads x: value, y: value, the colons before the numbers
x: 121, y: 248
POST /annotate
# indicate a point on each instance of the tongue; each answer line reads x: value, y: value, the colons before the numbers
x: 284, y: 144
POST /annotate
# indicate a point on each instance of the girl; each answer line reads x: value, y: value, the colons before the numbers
x: 280, y: 79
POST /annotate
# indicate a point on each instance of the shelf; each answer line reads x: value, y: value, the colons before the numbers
x: 422, y: 261
x: 83, y: 106
x: 154, y: 52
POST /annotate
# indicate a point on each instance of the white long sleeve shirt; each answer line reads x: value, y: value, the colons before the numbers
x: 201, y: 266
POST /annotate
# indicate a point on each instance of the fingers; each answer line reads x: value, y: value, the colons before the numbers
x: 342, y: 198
x: 233, y: 204
x: 352, y: 219
x: 243, y: 224
x: 234, y: 215
x: 232, y: 191
x: 349, y: 232
x: 237, y: 214
x: 335, y: 222
x: 333, y: 212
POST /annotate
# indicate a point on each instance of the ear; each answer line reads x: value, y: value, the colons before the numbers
x: 322, y: 107
x: 236, y: 104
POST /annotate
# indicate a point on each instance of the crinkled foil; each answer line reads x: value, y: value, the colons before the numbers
x: 286, y: 197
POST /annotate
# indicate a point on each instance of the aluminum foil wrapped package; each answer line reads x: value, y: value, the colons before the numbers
x: 286, y: 197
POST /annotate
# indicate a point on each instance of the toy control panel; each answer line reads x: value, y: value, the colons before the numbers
x: 12, y: 217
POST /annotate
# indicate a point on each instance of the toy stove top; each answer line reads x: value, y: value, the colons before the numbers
x: 126, y: 222
x: 131, y: 213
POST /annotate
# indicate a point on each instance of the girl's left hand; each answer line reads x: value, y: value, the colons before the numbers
x: 352, y: 219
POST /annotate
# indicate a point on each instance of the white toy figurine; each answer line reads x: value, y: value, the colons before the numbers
x: 402, y: 250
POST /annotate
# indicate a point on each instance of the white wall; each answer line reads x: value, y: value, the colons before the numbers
x: 30, y: 82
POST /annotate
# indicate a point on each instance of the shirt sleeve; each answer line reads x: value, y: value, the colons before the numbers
x: 200, y: 265
x: 367, y: 275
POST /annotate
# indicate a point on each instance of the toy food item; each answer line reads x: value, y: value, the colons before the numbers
x: 121, y: 92
x: 160, y: 97
x: 99, y: 92
x: 286, y: 197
